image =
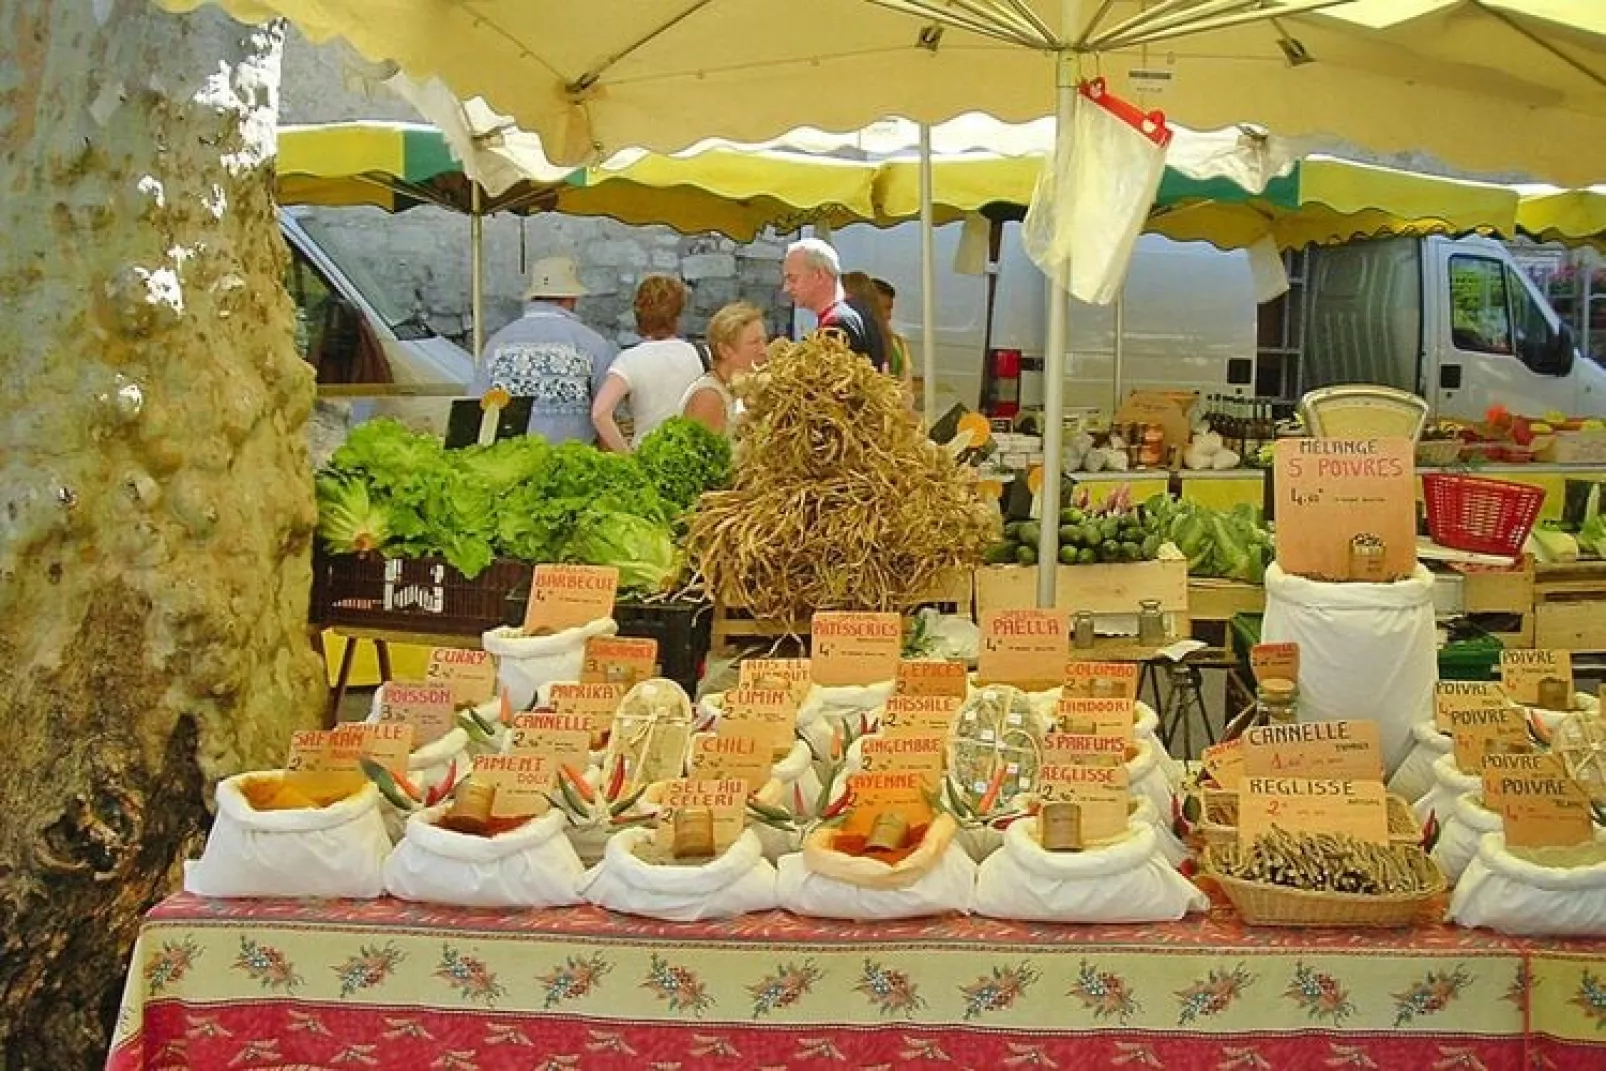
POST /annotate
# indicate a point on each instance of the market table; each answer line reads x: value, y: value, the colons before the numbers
x: 217, y: 984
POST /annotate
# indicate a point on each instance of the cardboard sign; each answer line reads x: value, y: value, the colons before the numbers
x: 598, y: 704
x: 1274, y: 661
x: 1299, y: 805
x: 621, y: 660
x: 1091, y: 680
x: 726, y: 798
x: 522, y: 782
x: 324, y: 763
x: 1026, y: 648
x: 932, y: 678
x: 1478, y: 733
x: 1097, y: 717
x: 563, y: 738
x: 429, y: 708
x: 735, y: 753
x: 1542, y: 810
x: 918, y: 714
x: 795, y: 674
x: 902, y: 791
x: 470, y: 674
x: 1087, y: 749
x: 1452, y: 696
x: 1333, y: 750
x: 1521, y: 673
x: 568, y: 596
x: 855, y: 649
x: 1224, y: 762
x: 1329, y: 491
x: 1103, y: 793
x: 905, y: 753
x: 1498, y: 770
x: 771, y: 712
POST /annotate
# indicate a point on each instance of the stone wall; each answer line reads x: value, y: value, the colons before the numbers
x: 422, y: 256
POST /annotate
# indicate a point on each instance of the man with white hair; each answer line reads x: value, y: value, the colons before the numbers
x: 811, y: 276
x: 549, y: 355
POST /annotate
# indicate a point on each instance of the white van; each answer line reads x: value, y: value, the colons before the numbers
x: 368, y: 351
x: 1453, y: 320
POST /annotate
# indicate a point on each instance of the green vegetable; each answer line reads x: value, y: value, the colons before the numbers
x: 1070, y: 534
x: 1087, y: 556
x: 1026, y: 554
x: 642, y: 550
x: 1068, y: 555
x: 1072, y: 515
x: 999, y: 554
x: 348, y: 520
x: 1030, y: 532
x: 683, y: 458
x: 1109, y: 551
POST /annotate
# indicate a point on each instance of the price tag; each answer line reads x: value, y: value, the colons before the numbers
x: 1330, y: 491
x: 1340, y: 750
x: 621, y: 660
x: 903, y: 792
x: 736, y: 752
x: 725, y: 798
x: 1498, y: 769
x: 388, y: 743
x: 1026, y: 648
x: 1089, y: 750
x: 568, y: 596
x: 1275, y: 661
x: 522, y: 782
x: 1097, y: 717
x: 562, y: 738
x: 770, y: 712
x: 1479, y: 733
x: 1110, y: 680
x: 1542, y: 810
x: 1224, y: 763
x: 924, y: 678
x: 905, y: 753
x: 919, y: 714
x: 1452, y: 696
x: 428, y: 708
x: 1102, y: 792
x: 855, y: 649
x: 1298, y: 805
x: 1523, y: 672
x: 469, y: 673
x: 792, y: 673
x: 596, y: 703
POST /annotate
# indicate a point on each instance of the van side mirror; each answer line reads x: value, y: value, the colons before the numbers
x: 1559, y: 352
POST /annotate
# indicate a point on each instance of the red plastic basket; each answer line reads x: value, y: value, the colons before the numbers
x: 1480, y: 515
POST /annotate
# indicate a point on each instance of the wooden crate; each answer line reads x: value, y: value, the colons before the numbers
x: 1570, y: 606
x: 735, y: 626
x: 1495, y: 590
x: 1100, y: 589
x: 1211, y: 599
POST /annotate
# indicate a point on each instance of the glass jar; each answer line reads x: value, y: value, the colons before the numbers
x: 1151, y: 623
x: 1366, y: 559
x: 1276, y: 702
x: 1082, y: 631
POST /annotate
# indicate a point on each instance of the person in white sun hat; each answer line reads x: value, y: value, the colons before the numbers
x: 549, y: 355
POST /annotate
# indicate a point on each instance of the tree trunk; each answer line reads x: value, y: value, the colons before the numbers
x: 156, y: 502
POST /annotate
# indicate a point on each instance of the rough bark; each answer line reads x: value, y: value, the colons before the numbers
x: 156, y: 501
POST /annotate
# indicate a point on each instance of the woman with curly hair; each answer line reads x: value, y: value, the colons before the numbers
x: 654, y: 373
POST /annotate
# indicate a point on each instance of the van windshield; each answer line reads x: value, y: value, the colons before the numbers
x: 398, y: 318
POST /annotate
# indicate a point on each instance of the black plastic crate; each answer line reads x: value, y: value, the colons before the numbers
x: 424, y: 595
x: 683, y: 629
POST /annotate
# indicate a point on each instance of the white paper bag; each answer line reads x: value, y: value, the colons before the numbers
x: 824, y: 709
x: 1413, y: 778
x: 1459, y: 833
x: 524, y: 663
x: 531, y: 866
x: 736, y: 883
x: 1512, y: 895
x: 1165, y: 836
x: 1366, y: 651
x: 336, y: 851
x: 1129, y: 881
x: 1449, y: 785
x: 938, y: 877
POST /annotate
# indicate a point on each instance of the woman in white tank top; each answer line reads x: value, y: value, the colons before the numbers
x: 736, y: 344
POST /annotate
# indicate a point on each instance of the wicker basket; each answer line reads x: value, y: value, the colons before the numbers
x: 1260, y: 904
x: 1438, y: 453
x: 1219, y: 825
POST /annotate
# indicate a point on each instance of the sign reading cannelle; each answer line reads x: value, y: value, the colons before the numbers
x: 1318, y: 749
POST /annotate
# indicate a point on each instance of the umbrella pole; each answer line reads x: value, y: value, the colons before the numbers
x: 1054, y: 355
x: 928, y: 282
x: 476, y: 230
x: 1120, y: 350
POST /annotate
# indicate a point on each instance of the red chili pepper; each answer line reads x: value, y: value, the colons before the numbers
x: 839, y: 805
x: 443, y: 787
x: 836, y: 741
x: 577, y: 779
x: 990, y: 797
x: 505, y: 711
x: 616, y: 782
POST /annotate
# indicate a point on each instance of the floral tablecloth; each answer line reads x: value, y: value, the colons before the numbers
x: 259, y: 984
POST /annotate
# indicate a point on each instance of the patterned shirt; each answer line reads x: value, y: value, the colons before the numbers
x: 549, y: 355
